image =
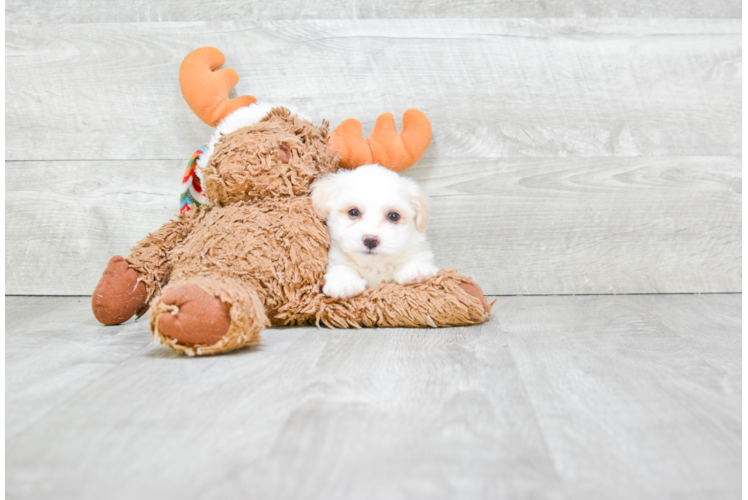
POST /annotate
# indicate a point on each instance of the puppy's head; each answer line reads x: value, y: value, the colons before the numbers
x: 371, y: 211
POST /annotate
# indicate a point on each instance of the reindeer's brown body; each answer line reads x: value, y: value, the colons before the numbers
x: 257, y: 255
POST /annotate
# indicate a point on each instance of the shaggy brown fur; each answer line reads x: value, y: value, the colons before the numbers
x: 277, y: 247
x: 150, y: 257
x: 440, y: 301
x: 246, y: 311
x: 246, y: 165
x: 262, y: 250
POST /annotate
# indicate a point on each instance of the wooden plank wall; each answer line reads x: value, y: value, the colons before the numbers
x: 579, y: 147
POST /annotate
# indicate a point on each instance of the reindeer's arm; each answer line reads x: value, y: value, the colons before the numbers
x: 128, y: 285
x: 150, y: 257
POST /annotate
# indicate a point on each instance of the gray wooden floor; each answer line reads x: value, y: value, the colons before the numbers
x: 585, y: 397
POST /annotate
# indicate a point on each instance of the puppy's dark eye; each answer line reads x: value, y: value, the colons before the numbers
x: 393, y: 216
x: 354, y: 212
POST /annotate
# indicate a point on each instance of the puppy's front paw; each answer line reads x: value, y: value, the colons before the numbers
x: 343, y: 286
x: 415, y: 272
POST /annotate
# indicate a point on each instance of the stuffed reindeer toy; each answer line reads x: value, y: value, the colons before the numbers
x: 248, y: 249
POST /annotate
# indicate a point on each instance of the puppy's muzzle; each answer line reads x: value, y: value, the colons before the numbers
x: 371, y: 241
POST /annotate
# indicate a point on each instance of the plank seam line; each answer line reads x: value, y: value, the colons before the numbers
x: 495, y: 295
x: 609, y: 294
x: 535, y: 417
x: 472, y: 158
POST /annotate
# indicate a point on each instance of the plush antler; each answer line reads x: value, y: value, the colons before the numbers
x: 207, y: 90
x: 384, y: 145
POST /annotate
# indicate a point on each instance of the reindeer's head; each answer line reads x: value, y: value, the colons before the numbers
x: 259, y: 151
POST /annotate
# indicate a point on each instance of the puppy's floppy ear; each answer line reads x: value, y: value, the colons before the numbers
x: 323, y: 190
x: 420, y: 203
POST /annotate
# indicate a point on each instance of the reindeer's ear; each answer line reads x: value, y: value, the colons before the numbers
x: 207, y: 90
x: 323, y: 192
x: 384, y: 145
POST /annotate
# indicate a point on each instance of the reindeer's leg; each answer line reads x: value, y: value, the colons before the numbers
x: 448, y: 299
x: 202, y: 316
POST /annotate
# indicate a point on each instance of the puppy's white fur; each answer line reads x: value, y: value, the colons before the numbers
x: 358, y: 205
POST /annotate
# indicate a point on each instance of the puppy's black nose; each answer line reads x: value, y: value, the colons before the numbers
x: 371, y: 241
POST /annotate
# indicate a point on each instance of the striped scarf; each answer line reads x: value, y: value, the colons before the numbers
x: 192, y: 190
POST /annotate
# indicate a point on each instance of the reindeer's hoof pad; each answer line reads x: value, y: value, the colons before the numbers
x: 472, y: 288
x: 119, y: 294
x: 196, y: 317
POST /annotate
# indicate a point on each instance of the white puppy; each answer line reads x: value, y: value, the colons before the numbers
x: 376, y: 221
